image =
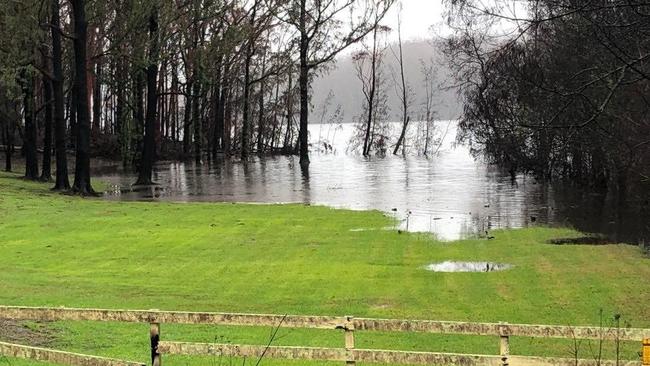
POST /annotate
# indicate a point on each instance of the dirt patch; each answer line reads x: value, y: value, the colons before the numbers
x: 585, y: 240
x: 26, y: 333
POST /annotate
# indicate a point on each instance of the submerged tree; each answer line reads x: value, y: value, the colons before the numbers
x: 322, y: 36
x: 149, y: 146
x: 403, y: 89
x: 369, y: 68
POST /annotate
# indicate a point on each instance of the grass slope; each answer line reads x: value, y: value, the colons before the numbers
x: 57, y: 250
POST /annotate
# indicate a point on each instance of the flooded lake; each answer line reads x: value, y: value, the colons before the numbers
x: 452, y: 194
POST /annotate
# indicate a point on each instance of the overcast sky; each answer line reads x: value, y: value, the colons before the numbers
x: 417, y: 18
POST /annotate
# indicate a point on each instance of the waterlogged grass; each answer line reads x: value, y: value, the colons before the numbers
x: 58, y: 250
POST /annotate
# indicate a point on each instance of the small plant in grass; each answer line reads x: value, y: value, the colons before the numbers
x: 612, y: 326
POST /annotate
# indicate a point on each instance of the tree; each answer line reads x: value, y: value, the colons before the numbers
x: 149, y: 147
x: 82, y: 184
x: 322, y: 37
x: 428, y: 71
x: 561, y: 93
x: 62, y: 182
x: 29, y: 140
x: 402, y: 87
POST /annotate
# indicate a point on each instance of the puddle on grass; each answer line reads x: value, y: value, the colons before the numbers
x: 453, y: 266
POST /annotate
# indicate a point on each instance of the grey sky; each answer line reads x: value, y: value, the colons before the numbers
x: 417, y: 18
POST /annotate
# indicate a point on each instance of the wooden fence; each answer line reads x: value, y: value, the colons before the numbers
x: 348, y: 325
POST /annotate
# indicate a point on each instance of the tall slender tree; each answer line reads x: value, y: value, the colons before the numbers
x: 145, y: 174
x: 82, y: 184
x: 62, y: 181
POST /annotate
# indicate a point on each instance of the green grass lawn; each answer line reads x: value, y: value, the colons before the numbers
x: 58, y: 250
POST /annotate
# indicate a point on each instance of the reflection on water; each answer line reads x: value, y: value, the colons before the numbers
x: 451, y: 194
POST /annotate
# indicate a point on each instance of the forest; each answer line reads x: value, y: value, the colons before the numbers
x: 556, y: 89
x: 139, y: 79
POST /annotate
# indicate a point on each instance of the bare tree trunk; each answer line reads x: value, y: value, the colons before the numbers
x: 404, y: 96
x: 260, y: 124
x: 196, y: 119
x: 303, y: 134
x: 222, y: 131
x: 245, y: 132
x: 367, y: 143
x: 217, y: 132
x: 82, y: 183
x: 187, y: 120
x: 29, y: 140
x: 149, y: 146
x: 46, y: 171
x: 8, y: 140
x: 97, y: 98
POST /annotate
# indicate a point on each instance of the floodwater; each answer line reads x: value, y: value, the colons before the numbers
x: 452, y: 194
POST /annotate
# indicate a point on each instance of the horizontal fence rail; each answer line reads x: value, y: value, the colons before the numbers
x: 60, y: 357
x: 350, y: 355
x: 370, y: 356
x: 323, y: 322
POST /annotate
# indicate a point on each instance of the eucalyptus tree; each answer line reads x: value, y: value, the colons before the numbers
x: 82, y: 184
x: 145, y: 170
x: 61, y: 180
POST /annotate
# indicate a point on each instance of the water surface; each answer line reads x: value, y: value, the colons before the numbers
x: 451, y: 194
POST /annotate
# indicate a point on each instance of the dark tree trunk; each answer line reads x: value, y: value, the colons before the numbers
x: 303, y: 135
x: 227, y: 120
x: 222, y: 131
x: 29, y: 140
x: 121, y: 100
x: 367, y: 143
x: 260, y: 125
x: 260, y: 114
x: 196, y: 121
x: 8, y: 137
x: 62, y: 180
x: 402, y: 135
x: 46, y: 171
x: 217, y: 133
x: 149, y: 147
x: 174, y: 103
x: 121, y: 130
x: 138, y: 115
x: 73, y: 112
x: 81, y: 183
x: 245, y: 129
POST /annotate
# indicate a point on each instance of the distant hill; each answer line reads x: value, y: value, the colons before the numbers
x: 346, y: 87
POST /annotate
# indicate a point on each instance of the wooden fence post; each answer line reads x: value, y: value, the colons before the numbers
x: 646, y: 351
x: 154, y: 335
x: 504, y: 344
x: 349, y: 340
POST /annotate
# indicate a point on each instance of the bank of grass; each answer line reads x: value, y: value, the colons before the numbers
x: 58, y: 250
